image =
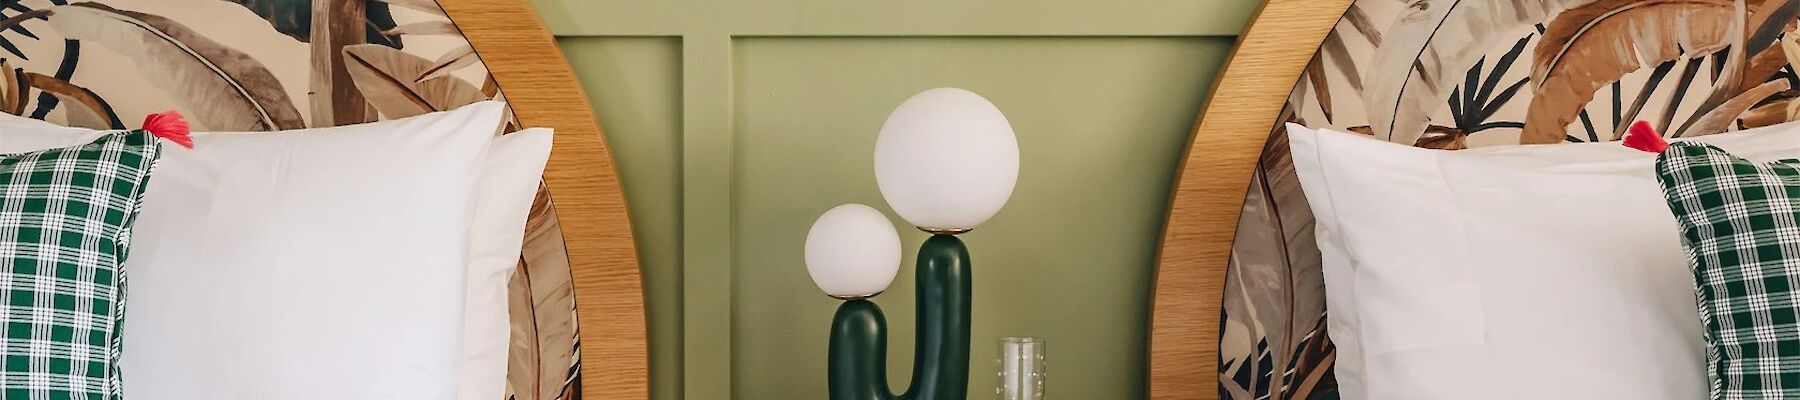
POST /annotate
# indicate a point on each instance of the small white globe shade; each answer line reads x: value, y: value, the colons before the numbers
x: 946, y: 160
x: 852, y: 252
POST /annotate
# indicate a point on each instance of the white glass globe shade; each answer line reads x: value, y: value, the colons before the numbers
x: 852, y: 251
x: 946, y: 160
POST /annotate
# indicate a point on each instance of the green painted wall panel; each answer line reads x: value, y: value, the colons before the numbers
x: 1100, y: 121
x: 735, y: 123
x: 635, y: 87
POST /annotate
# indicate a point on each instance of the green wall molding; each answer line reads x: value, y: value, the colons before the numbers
x: 736, y: 123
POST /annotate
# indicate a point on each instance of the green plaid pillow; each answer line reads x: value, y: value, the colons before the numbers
x: 1740, y: 223
x: 65, y: 220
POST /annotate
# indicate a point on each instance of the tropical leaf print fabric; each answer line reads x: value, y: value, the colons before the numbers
x: 1740, y: 225
x: 1456, y: 74
x: 65, y: 226
x: 250, y: 65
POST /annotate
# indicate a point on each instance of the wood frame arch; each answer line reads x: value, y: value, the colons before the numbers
x: 529, y: 68
x: 1209, y: 191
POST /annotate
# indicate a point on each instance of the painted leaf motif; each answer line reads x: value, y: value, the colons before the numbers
x: 15, y: 90
x: 1429, y: 47
x: 387, y: 76
x: 85, y: 109
x: 427, y: 6
x: 1768, y: 20
x: 23, y: 89
x: 544, y: 356
x: 450, y: 62
x: 1276, y: 284
x: 1238, y: 377
x: 1589, y: 47
x: 1359, y: 19
x: 1337, y: 54
x: 1443, y: 138
x: 1790, y: 48
x: 1719, y: 119
x: 1321, y: 87
x: 294, y: 19
x: 221, y: 88
x: 1312, y: 375
x: 1750, y: 61
x: 14, y: 23
x: 1242, y: 344
x: 1771, y: 113
x: 425, y: 28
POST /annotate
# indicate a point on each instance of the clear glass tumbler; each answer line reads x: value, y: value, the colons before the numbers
x: 1021, y: 369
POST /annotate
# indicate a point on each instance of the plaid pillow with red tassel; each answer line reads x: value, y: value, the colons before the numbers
x: 1740, y: 226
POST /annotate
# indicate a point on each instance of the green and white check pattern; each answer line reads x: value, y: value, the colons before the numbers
x: 1740, y: 223
x: 65, y: 221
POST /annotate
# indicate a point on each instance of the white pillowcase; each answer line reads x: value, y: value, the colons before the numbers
x: 1507, y: 272
x: 321, y: 263
x: 331, y: 264
x: 515, y: 163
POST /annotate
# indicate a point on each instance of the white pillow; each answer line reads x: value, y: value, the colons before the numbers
x: 331, y: 264
x: 319, y: 263
x: 1507, y: 272
x: 515, y: 163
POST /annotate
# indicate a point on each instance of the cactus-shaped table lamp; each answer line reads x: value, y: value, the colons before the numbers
x: 946, y: 161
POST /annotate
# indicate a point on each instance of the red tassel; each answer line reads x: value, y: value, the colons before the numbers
x: 169, y: 125
x: 1645, y: 138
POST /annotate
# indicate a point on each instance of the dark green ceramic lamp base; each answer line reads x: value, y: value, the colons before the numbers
x: 858, y: 366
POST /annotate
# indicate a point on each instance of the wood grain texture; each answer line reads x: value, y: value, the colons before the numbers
x: 1209, y: 192
x: 584, y: 184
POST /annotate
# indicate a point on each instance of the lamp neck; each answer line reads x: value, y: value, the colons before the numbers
x: 946, y: 231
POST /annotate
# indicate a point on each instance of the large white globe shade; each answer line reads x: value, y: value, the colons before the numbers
x: 852, y: 252
x: 946, y: 160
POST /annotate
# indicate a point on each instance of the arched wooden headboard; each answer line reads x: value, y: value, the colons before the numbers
x: 582, y: 178
x: 1239, y: 309
x: 1209, y: 192
x: 577, y: 300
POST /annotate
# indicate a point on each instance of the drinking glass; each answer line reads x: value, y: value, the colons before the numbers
x: 1021, y: 369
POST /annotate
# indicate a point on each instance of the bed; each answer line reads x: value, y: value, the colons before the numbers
x: 576, y: 299
x: 1238, y: 308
